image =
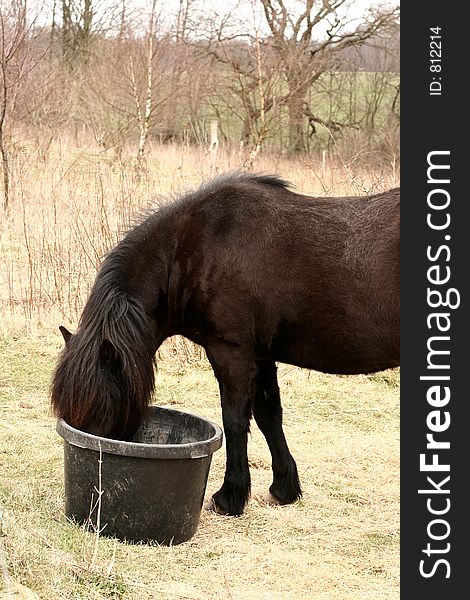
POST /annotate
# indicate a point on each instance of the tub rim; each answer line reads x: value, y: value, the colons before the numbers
x: 198, y: 449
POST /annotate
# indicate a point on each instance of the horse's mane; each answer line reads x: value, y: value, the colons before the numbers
x: 237, y: 177
x: 82, y: 386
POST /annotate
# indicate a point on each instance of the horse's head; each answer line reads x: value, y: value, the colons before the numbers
x: 101, y: 385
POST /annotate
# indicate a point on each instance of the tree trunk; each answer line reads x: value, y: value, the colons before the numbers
x: 3, y: 148
x: 6, y: 174
x: 144, y: 121
x: 295, y: 106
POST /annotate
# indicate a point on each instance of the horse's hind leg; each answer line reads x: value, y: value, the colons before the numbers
x: 236, y: 373
x: 267, y: 411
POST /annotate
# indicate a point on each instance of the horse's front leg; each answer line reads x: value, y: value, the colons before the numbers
x: 236, y: 374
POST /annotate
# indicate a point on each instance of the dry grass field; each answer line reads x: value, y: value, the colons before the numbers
x: 340, y: 542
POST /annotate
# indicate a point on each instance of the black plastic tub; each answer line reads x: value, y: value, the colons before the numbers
x: 148, y: 489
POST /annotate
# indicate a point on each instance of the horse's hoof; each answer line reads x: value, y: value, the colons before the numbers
x: 211, y: 506
x: 271, y: 500
x: 266, y: 499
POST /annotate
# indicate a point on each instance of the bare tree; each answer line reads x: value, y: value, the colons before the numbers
x: 143, y: 112
x: 17, y: 60
x: 82, y: 22
x: 261, y: 131
x: 304, y: 58
x: 131, y: 81
x: 358, y: 98
x: 135, y: 76
x: 248, y: 84
x: 77, y: 21
x: 184, y: 67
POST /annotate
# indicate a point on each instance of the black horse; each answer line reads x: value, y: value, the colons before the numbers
x: 255, y: 274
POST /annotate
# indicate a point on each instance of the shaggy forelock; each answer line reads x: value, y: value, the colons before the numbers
x: 83, y: 388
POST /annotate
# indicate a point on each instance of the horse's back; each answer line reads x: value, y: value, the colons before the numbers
x: 311, y: 281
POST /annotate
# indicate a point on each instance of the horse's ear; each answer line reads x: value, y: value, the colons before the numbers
x: 108, y: 352
x: 65, y: 334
